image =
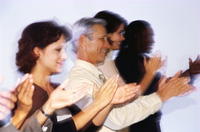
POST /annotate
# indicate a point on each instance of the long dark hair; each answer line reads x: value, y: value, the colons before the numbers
x: 134, y: 38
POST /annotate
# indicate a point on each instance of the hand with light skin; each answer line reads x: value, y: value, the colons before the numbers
x: 60, y: 98
x: 105, y: 94
x: 101, y: 99
x: 125, y: 93
x: 175, y: 86
x: 7, y: 102
x: 24, y: 93
x: 121, y: 94
x: 151, y: 67
x: 154, y: 63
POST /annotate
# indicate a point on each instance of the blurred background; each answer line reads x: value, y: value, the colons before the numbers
x: 176, y: 26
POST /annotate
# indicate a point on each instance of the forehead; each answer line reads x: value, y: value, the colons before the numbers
x: 99, y: 29
x: 121, y: 27
x: 60, y: 43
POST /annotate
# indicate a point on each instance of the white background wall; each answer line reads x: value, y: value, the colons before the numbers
x: 177, y: 34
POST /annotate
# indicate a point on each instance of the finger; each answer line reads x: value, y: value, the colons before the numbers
x: 176, y: 75
x: 81, y: 89
x: 132, y: 89
x: 30, y: 93
x: 7, y: 102
x: 23, y: 87
x: 113, y: 86
x: 186, y: 90
x: 108, y: 82
x: 8, y: 95
x: 190, y: 61
x: 162, y: 80
x: 28, y: 89
x: 198, y: 57
x: 4, y: 111
x: 157, y: 53
x: 64, y: 84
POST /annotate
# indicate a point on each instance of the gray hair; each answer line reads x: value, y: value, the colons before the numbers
x: 84, y: 27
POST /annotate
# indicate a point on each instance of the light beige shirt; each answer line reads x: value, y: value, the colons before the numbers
x: 109, y: 68
x: 120, y: 116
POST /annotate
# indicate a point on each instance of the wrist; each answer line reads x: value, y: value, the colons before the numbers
x: 44, y: 113
x: 47, y: 109
x: 20, y: 114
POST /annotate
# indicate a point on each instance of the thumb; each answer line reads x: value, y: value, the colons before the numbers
x: 190, y: 61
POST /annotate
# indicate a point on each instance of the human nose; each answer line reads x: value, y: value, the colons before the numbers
x: 106, y: 44
x: 64, y: 55
x: 122, y: 37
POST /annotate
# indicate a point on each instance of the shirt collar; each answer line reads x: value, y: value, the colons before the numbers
x: 88, y: 66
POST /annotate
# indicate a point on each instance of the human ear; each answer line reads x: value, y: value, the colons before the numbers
x: 36, y: 51
x: 83, y: 40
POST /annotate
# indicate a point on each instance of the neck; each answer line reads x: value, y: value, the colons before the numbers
x: 84, y: 57
x: 41, y: 77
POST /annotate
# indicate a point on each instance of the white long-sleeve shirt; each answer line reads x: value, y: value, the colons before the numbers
x: 120, y: 116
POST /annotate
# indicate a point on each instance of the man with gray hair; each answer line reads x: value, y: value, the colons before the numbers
x: 91, y: 45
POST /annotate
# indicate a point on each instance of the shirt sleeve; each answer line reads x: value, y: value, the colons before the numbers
x: 8, y: 128
x: 125, y: 115
x: 32, y: 125
x: 121, y: 116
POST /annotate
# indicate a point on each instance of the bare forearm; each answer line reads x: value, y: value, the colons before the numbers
x: 83, y: 117
x: 18, y: 118
x: 101, y: 116
x: 40, y: 116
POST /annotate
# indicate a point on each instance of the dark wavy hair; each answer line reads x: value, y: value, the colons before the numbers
x: 38, y: 34
x: 134, y: 37
x: 113, y: 21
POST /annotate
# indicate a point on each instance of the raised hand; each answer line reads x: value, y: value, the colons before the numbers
x: 7, y: 100
x: 125, y: 93
x: 7, y: 103
x: 175, y: 86
x: 154, y: 63
x: 25, y: 91
x: 61, y: 97
x: 194, y: 67
x: 105, y: 94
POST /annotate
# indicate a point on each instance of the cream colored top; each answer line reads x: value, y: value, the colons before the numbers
x: 120, y: 116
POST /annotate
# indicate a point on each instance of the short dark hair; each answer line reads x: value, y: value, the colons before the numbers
x: 38, y: 34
